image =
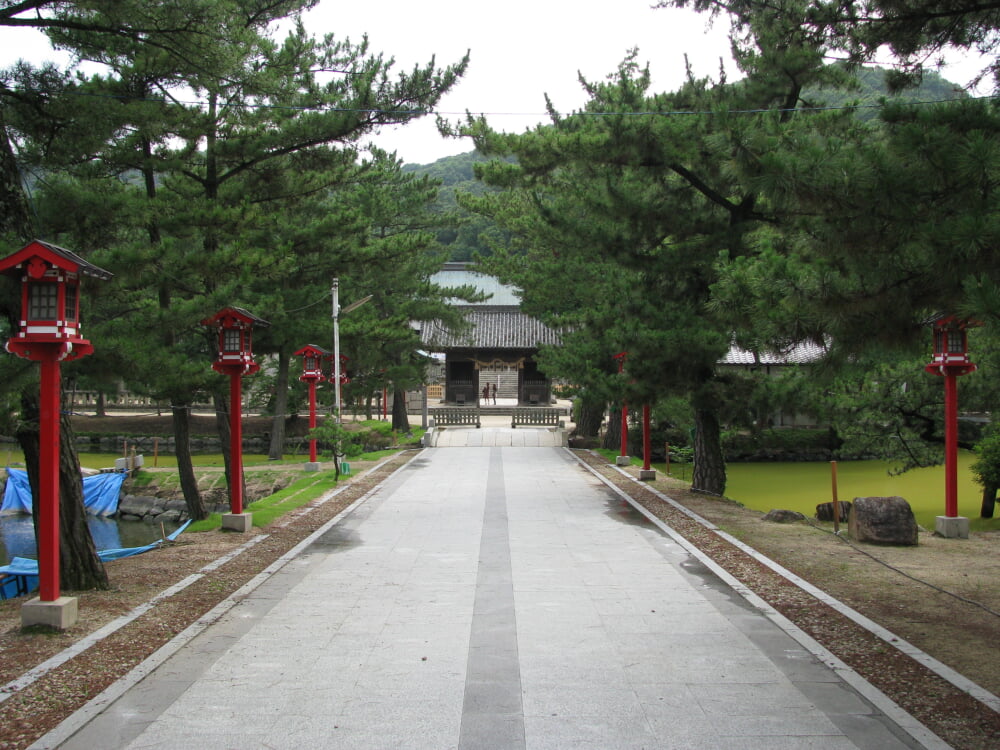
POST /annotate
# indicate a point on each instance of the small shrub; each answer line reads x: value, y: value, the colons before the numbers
x: 377, y: 441
x: 986, y: 468
x: 378, y: 426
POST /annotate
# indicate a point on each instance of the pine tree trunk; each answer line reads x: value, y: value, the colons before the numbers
x: 221, y: 401
x: 590, y: 418
x: 400, y: 419
x: 15, y: 217
x: 612, y: 439
x: 79, y: 566
x: 276, y: 450
x: 989, y: 501
x: 709, y: 474
x: 185, y: 467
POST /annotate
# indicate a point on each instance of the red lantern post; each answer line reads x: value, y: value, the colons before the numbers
x: 235, y: 358
x: 623, y: 459
x: 951, y: 360
x: 312, y: 373
x: 49, y: 333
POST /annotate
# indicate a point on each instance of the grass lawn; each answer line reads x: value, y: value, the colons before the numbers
x: 300, y: 492
x: 269, y: 508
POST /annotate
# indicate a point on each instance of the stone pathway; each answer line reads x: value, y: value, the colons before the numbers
x: 492, y: 597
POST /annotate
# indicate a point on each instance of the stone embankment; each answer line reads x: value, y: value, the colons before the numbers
x: 158, y: 509
x: 166, y: 445
x: 167, y: 505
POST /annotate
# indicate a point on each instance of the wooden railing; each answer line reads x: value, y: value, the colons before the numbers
x: 535, y: 417
x: 455, y: 417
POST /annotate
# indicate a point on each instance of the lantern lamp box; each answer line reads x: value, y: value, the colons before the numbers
x: 951, y: 340
x: 50, y: 297
x: 312, y: 362
x: 235, y: 343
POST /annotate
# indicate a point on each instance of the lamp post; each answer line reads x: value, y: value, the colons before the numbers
x: 312, y: 373
x: 49, y: 333
x: 235, y: 359
x: 623, y: 459
x: 951, y: 360
x: 335, y: 296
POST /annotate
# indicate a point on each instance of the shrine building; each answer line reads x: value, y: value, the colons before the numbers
x: 498, y: 348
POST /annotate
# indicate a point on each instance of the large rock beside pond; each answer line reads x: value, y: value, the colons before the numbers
x: 824, y: 511
x: 882, y: 520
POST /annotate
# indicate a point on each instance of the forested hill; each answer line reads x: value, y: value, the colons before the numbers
x: 873, y: 89
x: 465, y: 235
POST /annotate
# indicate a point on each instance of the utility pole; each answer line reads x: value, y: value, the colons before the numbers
x: 335, y: 291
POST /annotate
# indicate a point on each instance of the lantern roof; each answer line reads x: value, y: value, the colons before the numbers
x: 312, y: 349
x: 57, y: 256
x: 942, y: 320
x: 242, y: 316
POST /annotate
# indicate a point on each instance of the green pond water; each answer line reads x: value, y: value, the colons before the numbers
x: 802, y: 486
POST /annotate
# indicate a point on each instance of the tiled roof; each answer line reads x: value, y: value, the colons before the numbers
x: 492, y: 327
x: 506, y: 327
x: 798, y: 354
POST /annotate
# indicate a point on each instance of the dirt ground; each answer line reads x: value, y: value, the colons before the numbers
x: 942, y: 596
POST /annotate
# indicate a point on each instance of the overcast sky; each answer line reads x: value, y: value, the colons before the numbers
x: 520, y: 50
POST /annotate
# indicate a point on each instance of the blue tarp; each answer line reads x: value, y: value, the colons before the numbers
x: 22, y: 572
x: 21, y: 578
x: 100, y: 492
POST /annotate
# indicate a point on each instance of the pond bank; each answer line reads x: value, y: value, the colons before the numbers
x: 802, y: 486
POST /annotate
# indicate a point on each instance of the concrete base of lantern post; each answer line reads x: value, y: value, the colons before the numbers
x: 952, y: 527
x: 623, y: 460
x: 312, y: 466
x: 59, y: 614
x: 647, y: 475
x: 241, y: 522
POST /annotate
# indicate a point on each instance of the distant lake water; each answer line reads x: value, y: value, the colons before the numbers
x: 802, y: 486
